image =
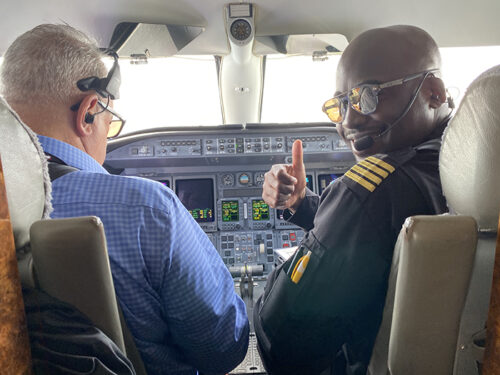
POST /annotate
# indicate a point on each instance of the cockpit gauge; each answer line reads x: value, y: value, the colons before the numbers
x: 259, y: 178
x: 228, y: 179
x: 244, y: 179
x: 241, y: 29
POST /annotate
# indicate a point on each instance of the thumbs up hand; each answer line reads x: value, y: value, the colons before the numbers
x: 285, y: 184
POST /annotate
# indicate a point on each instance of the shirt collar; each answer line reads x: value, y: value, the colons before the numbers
x: 71, y: 155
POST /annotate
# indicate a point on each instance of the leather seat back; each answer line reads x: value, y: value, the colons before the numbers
x: 432, y: 309
x: 470, y: 174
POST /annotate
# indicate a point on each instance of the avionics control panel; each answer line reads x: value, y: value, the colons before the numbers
x: 218, y: 173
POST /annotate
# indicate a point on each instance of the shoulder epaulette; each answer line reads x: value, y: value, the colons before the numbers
x: 370, y: 172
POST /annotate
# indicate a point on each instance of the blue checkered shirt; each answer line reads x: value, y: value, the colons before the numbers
x: 176, y: 294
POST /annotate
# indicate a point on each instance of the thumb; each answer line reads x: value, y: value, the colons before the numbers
x: 297, y: 156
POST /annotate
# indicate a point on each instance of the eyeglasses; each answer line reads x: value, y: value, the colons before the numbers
x: 117, y: 122
x: 363, y: 98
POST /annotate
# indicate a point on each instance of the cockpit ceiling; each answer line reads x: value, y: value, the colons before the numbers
x: 451, y: 22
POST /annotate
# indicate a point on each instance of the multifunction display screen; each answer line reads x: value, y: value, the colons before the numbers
x: 197, y: 195
x: 260, y: 210
x: 230, y: 211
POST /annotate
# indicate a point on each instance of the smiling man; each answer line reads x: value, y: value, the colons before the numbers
x: 322, y: 308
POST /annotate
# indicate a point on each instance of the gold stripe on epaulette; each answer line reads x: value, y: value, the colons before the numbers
x: 360, y: 180
x: 367, y: 174
x: 380, y: 163
x: 372, y: 167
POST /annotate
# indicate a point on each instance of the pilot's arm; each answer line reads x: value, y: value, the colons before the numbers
x: 302, y: 326
x: 337, y: 305
x: 285, y: 184
x: 306, y: 211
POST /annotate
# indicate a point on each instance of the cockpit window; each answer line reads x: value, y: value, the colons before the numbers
x: 461, y: 65
x: 183, y: 91
x: 174, y: 91
x: 295, y: 88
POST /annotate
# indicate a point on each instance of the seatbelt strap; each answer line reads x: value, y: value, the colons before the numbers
x: 57, y: 170
x: 57, y: 167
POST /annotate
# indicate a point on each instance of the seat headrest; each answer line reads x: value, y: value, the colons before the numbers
x: 469, y: 162
x: 25, y: 172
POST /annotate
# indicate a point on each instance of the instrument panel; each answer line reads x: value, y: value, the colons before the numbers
x: 218, y: 173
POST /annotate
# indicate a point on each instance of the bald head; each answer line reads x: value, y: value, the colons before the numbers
x: 389, y: 53
x: 405, y: 113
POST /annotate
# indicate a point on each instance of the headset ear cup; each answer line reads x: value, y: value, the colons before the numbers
x: 89, y: 118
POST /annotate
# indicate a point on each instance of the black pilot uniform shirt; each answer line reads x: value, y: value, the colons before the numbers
x: 330, y: 318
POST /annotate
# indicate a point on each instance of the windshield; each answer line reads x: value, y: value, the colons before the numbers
x: 183, y: 91
x: 296, y: 87
x: 175, y: 91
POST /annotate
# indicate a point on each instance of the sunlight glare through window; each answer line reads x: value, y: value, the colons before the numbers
x: 296, y: 87
x: 175, y: 91
x: 183, y: 91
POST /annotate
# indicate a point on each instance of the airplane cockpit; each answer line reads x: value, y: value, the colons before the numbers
x: 218, y: 171
x: 219, y: 176
x: 215, y: 93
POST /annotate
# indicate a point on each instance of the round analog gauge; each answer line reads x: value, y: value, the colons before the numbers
x: 228, y: 179
x: 240, y: 29
x: 259, y: 178
x: 244, y: 179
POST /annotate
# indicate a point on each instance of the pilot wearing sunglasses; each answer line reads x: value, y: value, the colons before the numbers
x: 322, y: 308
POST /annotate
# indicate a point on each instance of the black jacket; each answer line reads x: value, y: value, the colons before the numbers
x: 330, y: 318
x: 64, y: 341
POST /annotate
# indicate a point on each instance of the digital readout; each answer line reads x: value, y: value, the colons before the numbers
x: 202, y: 214
x: 230, y: 211
x: 260, y: 210
x: 197, y: 195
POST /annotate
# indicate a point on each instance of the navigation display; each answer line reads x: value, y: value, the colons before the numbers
x: 197, y: 195
x: 230, y: 211
x: 260, y: 210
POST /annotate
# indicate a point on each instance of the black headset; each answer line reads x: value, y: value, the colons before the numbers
x: 108, y: 87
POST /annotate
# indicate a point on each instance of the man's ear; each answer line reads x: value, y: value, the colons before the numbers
x: 85, y: 115
x: 436, y: 92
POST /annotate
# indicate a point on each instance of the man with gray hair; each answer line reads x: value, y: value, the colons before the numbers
x: 177, y: 296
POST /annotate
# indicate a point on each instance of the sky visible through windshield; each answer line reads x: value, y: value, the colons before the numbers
x: 183, y: 91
